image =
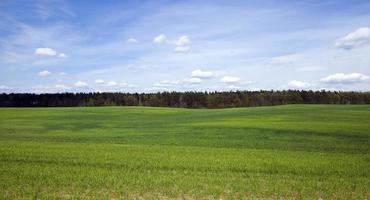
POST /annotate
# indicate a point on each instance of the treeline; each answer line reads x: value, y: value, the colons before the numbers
x: 185, y: 99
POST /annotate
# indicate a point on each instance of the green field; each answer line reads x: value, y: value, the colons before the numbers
x: 289, y: 152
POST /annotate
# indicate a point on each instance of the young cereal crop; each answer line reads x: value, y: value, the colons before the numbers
x: 288, y: 152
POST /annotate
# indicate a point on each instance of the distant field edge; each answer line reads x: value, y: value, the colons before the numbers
x: 190, y: 108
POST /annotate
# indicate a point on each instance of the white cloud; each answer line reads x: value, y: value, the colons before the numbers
x: 62, y: 55
x: 298, y: 84
x: 49, y: 52
x: 4, y: 87
x: 182, y: 49
x: 193, y: 80
x: 41, y: 89
x: 44, y: 73
x: 80, y: 84
x: 255, y: 89
x: 158, y: 89
x: 160, y: 39
x: 341, y: 78
x: 62, y: 73
x: 355, y: 39
x: 99, y: 81
x: 230, y: 79
x: 111, y: 83
x: 182, y: 41
x: 327, y: 89
x: 183, y: 83
x: 62, y: 86
x: 108, y: 84
x: 127, y: 85
x: 45, y: 52
x: 166, y: 83
x: 181, y: 44
x: 198, y: 73
x: 132, y: 40
x: 234, y: 82
x: 234, y: 87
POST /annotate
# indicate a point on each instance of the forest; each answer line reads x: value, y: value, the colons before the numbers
x: 185, y: 99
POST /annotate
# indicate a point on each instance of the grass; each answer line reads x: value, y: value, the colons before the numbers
x: 289, y: 152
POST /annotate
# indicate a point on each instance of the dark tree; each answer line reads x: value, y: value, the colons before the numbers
x: 185, y: 99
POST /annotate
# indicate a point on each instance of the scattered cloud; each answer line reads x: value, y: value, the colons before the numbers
x: 182, y: 49
x: 183, y: 83
x: 111, y: 84
x: 132, y: 40
x: 44, y: 73
x: 4, y: 87
x: 355, y: 39
x: 80, y: 84
x: 62, y: 55
x: 298, y: 84
x: 341, y: 78
x: 234, y: 87
x: 99, y: 81
x: 193, y: 80
x: 182, y: 41
x: 160, y: 39
x: 41, y: 89
x: 62, y: 86
x: 126, y: 85
x: 230, y: 79
x: 62, y: 73
x: 45, y: 52
x: 158, y: 89
x: 234, y: 82
x: 108, y: 56
x: 327, y: 89
x: 255, y: 89
x: 182, y: 44
x: 166, y: 83
x: 198, y: 73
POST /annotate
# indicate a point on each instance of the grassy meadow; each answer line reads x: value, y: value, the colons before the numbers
x: 287, y: 152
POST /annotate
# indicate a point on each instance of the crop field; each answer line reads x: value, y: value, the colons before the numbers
x: 286, y: 152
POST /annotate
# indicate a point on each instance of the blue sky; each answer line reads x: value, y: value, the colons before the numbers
x: 149, y: 46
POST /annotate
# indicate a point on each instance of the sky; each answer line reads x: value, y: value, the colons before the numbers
x: 172, y: 45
